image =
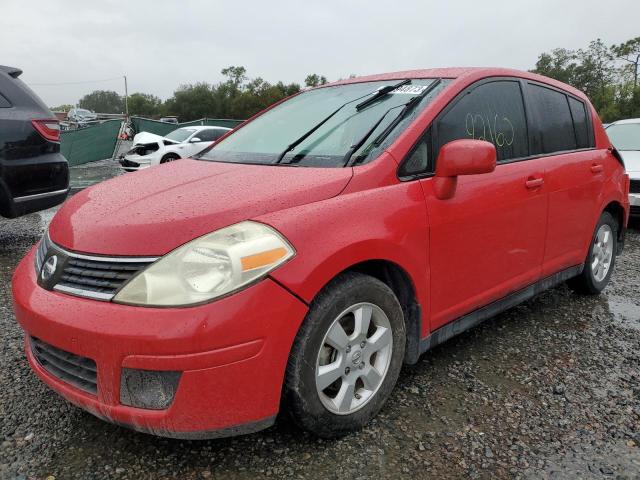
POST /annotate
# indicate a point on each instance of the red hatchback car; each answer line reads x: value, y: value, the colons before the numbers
x: 306, y: 256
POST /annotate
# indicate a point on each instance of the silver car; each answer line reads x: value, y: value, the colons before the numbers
x: 625, y: 136
x: 81, y: 116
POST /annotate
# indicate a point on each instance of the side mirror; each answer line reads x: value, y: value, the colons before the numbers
x: 195, y: 140
x: 462, y: 157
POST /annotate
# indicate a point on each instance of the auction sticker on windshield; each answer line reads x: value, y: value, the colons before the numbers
x: 410, y: 89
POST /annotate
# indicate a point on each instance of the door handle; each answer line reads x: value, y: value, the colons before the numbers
x: 597, y: 168
x: 534, y: 182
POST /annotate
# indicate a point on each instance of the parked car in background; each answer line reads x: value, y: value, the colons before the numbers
x: 151, y: 149
x: 82, y: 116
x: 303, y: 258
x: 625, y: 136
x: 169, y: 120
x: 33, y: 173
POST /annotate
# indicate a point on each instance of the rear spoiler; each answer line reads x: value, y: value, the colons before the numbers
x: 11, y: 71
x: 614, y: 151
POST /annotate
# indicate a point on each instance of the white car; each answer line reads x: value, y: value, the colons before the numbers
x: 151, y: 149
x: 82, y: 116
x: 625, y: 136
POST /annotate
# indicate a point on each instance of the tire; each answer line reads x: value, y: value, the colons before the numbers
x: 169, y: 157
x: 602, y: 255
x: 372, y: 372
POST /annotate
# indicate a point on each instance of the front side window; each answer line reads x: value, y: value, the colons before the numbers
x: 493, y: 112
x: 267, y: 139
x: 554, y: 132
x: 208, y: 135
x: 625, y: 136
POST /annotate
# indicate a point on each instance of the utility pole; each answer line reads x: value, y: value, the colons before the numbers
x: 126, y: 98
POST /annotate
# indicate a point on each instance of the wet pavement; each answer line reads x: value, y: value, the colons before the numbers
x: 549, y: 389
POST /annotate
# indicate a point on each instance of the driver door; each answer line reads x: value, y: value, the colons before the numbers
x: 488, y: 240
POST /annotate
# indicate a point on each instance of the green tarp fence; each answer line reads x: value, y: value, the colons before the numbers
x: 163, y: 128
x: 90, y: 144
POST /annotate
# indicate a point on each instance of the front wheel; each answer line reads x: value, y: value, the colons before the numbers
x: 169, y: 157
x: 346, y: 357
x: 601, y: 258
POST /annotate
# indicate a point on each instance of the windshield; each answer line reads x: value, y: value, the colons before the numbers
x: 625, y: 136
x: 181, y: 134
x: 265, y: 139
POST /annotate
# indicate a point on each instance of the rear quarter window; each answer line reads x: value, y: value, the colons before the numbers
x: 554, y: 132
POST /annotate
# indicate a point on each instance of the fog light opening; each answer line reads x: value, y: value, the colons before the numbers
x: 149, y: 389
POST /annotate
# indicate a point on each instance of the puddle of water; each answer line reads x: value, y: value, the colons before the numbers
x: 624, y: 311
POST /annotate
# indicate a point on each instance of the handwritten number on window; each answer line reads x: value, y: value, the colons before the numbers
x: 497, y: 130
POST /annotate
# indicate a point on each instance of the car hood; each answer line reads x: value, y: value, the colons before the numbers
x: 155, y: 210
x: 631, y: 162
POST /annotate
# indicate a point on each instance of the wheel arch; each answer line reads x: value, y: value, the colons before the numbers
x: 399, y: 281
x: 616, y: 210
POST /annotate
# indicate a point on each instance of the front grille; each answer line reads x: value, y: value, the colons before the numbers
x: 85, y: 275
x: 634, y: 186
x: 41, y: 251
x: 102, y: 278
x: 72, y: 369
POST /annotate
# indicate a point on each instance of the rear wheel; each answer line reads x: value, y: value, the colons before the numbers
x: 601, y: 258
x: 346, y: 357
x: 169, y: 157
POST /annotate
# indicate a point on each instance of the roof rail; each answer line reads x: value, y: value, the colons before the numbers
x: 11, y: 71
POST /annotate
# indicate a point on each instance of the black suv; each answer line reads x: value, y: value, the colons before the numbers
x: 34, y: 175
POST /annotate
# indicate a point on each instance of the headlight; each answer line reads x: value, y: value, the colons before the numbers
x: 209, y: 267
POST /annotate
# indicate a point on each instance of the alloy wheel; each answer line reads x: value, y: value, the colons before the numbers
x: 354, y: 358
x: 602, y: 253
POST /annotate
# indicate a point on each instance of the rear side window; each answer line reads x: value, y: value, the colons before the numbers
x: 555, y: 131
x: 209, y: 135
x: 493, y: 112
x: 4, y: 103
x: 580, y: 124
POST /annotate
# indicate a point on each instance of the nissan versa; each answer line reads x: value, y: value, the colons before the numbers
x: 302, y: 259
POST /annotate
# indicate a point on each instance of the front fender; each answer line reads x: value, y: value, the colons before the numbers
x: 383, y: 223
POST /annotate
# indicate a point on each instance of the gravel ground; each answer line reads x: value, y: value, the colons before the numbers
x: 549, y: 389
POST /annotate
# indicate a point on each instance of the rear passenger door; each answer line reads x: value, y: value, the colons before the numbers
x: 562, y: 136
x: 488, y: 240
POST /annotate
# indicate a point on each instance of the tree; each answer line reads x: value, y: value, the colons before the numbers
x: 144, y: 104
x: 629, y: 51
x: 102, y: 101
x: 313, y: 80
x: 559, y: 64
x: 236, y: 97
x: 597, y: 71
x: 61, y: 108
x: 192, y: 101
x: 236, y: 75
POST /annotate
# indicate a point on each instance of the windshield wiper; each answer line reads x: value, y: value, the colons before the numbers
x: 407, y: 107
x: 381, y: 93
x: 376, y: 94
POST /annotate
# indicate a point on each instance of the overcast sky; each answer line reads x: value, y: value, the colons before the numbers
x: 162, y: 44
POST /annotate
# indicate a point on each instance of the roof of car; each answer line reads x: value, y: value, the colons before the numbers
x: 472, y: 73
x: 626, y: 120
x: 205, y: 127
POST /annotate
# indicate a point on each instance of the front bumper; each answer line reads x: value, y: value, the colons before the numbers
x: 232, y: 354
x: 634, y: 204
x: 133, y: 165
